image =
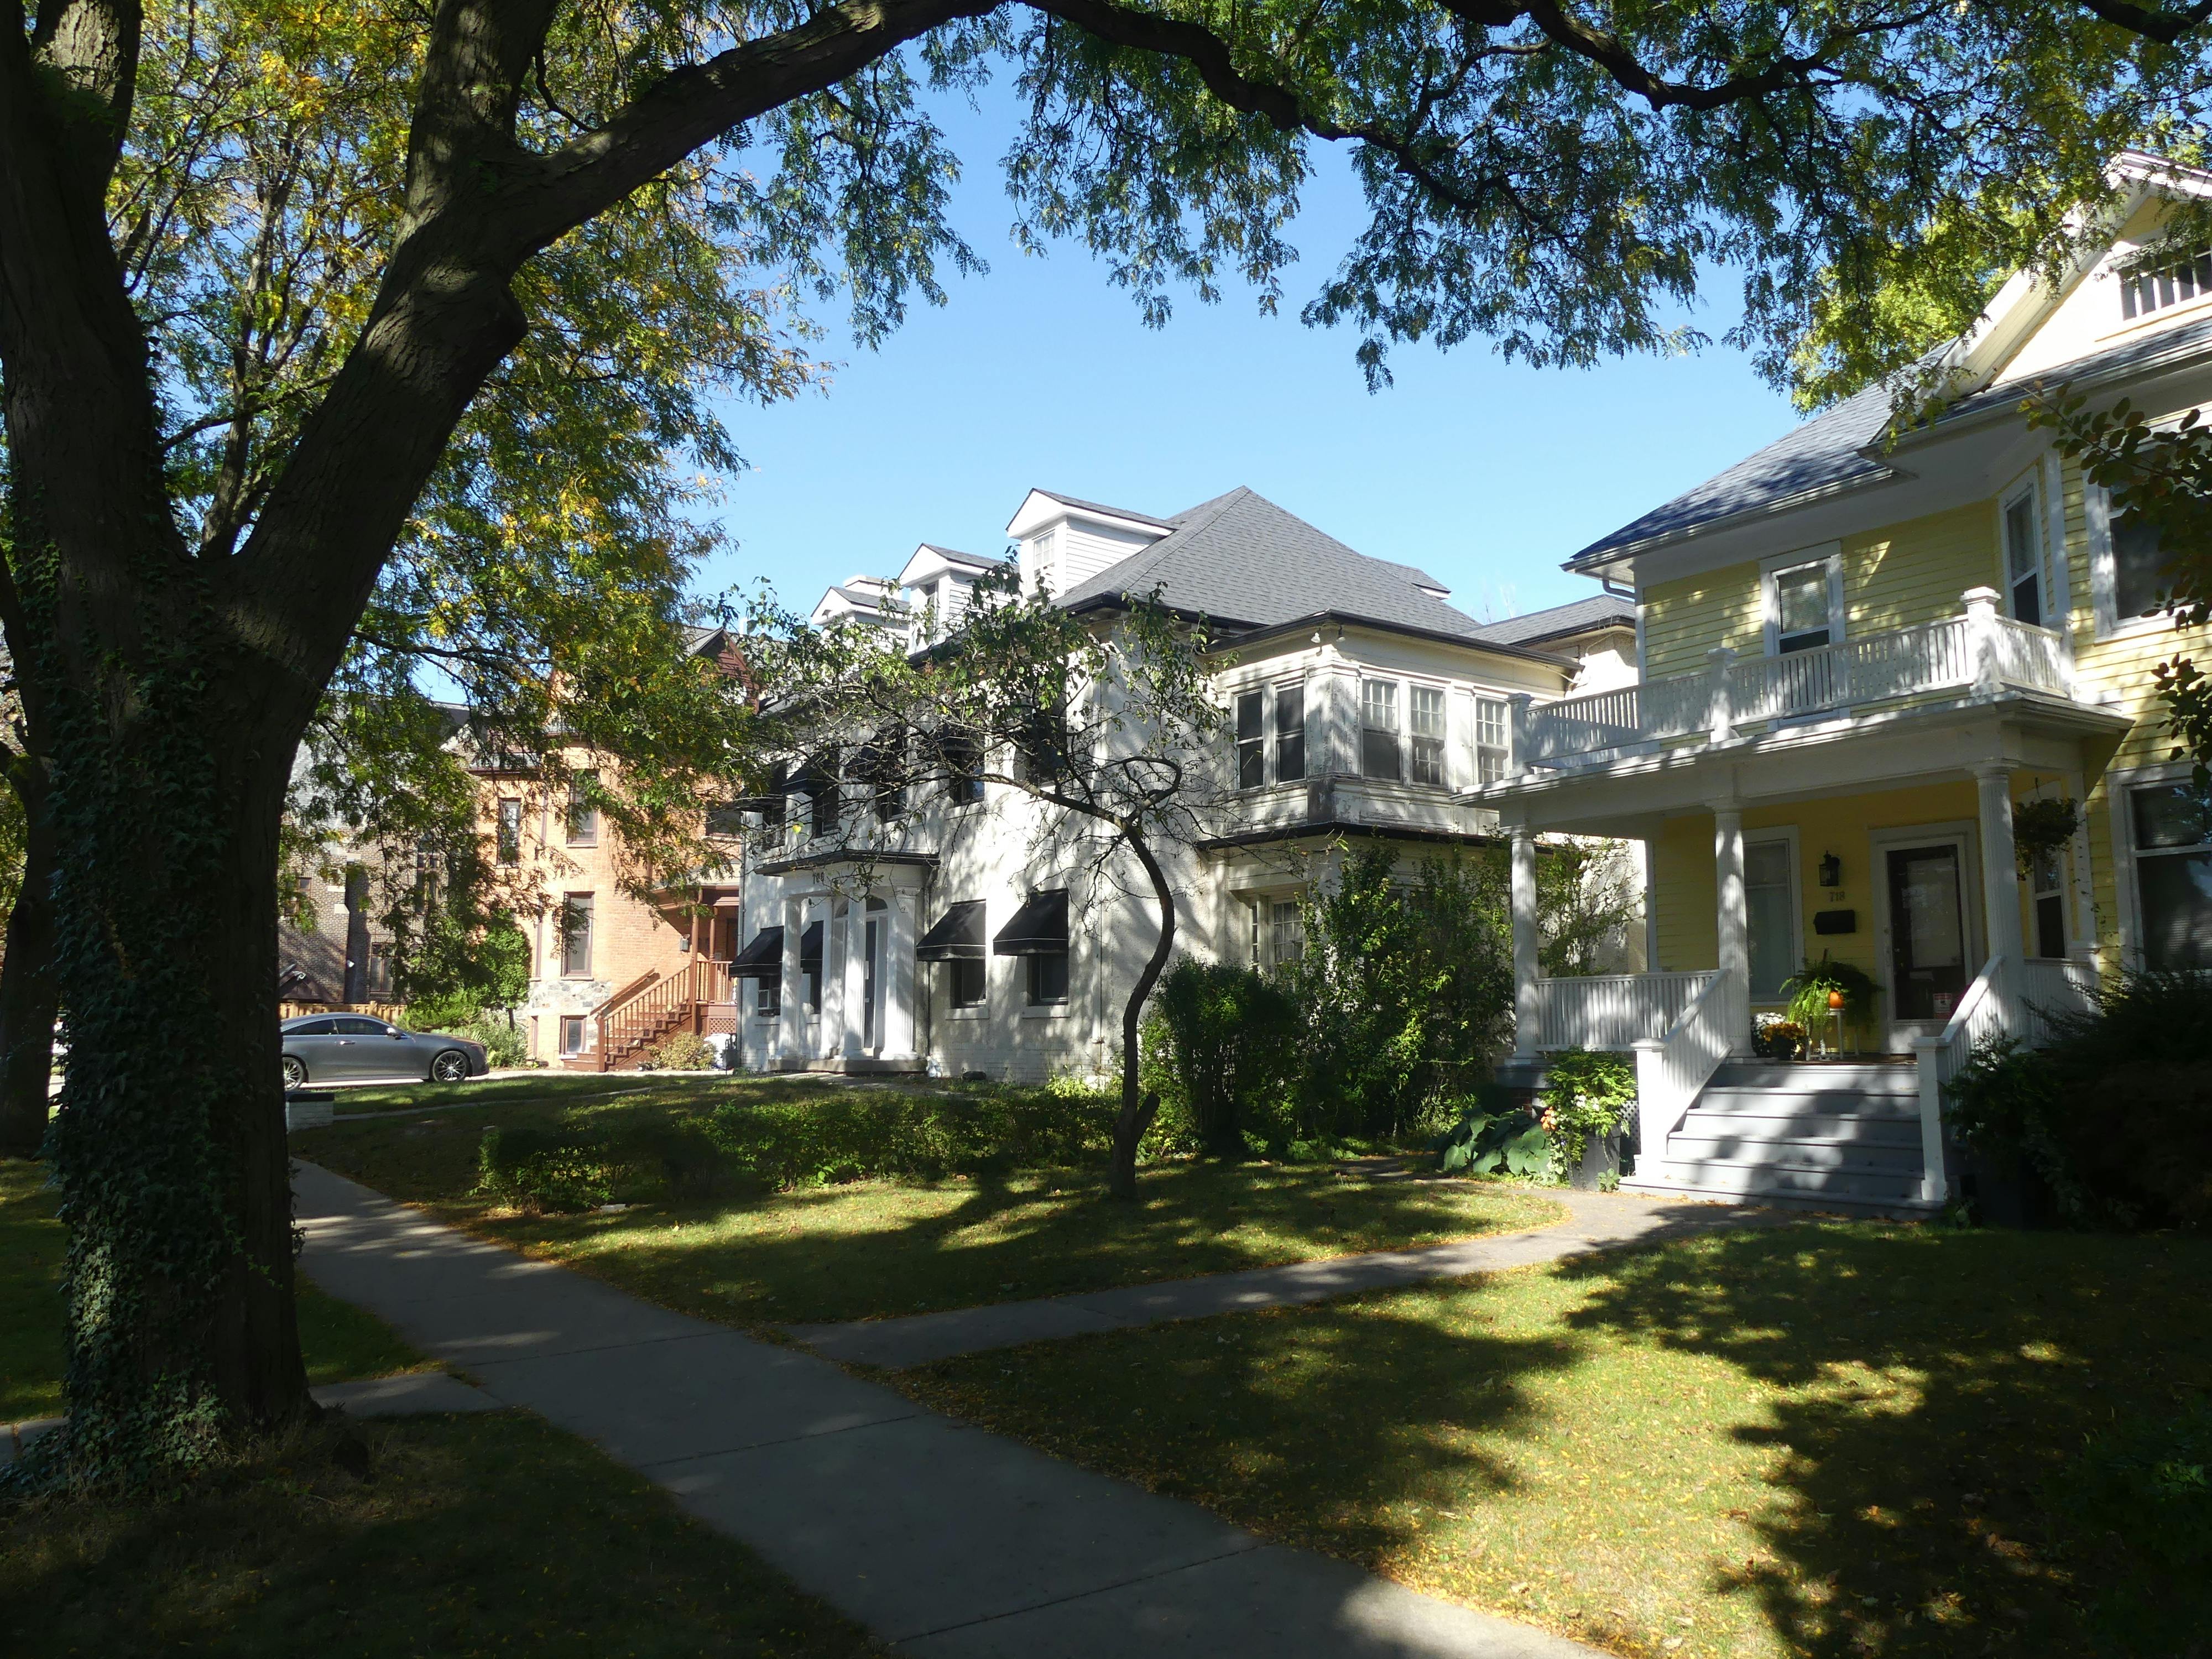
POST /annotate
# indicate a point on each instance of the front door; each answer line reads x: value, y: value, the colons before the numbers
x: 1928, y: 938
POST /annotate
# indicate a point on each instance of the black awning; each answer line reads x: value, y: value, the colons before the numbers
x: 763, y: 958
x: 958, y: 935
x: 809, y: 949
x: 1039, y: 928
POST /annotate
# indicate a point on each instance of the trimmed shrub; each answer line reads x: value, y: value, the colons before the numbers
x: 879, y: 1136
x: 2114, y: 1115
x: 551, y: 1170
x: 685, y: 1051
x: 1224, y: 1040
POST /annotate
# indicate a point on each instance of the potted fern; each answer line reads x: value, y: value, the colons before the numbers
x: 1812, y: 987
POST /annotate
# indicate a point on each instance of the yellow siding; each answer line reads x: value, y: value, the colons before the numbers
x: 2121, y: 668
x: 1685, y: 619
x: 1683, y: 868
x: 1917, y: 571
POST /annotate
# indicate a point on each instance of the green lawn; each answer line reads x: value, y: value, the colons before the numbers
x: 554, y: 1088
x: 883, y: 1248
x: 1829, y: 1439
x: 472, y: 1535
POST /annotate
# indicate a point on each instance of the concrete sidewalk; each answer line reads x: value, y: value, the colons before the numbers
x: 940, y: 1538
x: 1596, y: 1221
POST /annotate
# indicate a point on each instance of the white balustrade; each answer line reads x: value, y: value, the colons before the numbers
x: 1612, y: 1011
x: 1671, y: 1069
x: 2048, y: 985
x: 1979, y: 1017
x: 1980, y: 650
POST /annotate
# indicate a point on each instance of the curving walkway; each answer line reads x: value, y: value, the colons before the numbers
x: 943, y: 1539
x: 1595, y: 1221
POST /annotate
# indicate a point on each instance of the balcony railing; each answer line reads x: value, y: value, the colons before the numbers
x: 1980, y: 651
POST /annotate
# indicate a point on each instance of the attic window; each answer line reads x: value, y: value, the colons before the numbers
x: 2152, y: 287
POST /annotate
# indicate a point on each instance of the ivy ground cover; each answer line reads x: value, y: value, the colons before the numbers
x: 860, y: 1249
x: 1838, y: 1440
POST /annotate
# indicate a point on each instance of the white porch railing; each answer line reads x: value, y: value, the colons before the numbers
x: 1978, y: 650
x: 1980, y: 1016
x: 2052, y: 985
x: 1670, y: 1070
x: 1612, y: 1011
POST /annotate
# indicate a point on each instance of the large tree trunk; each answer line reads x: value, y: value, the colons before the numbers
x: 1139, y: 1107
x: 27, y: 1000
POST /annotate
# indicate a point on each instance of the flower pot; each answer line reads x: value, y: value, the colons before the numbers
x: 1600, y: 1158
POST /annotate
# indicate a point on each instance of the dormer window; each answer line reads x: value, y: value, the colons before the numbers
x: 2157, y: 282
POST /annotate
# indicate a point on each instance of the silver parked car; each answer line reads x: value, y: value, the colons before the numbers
x: 354, y: 1049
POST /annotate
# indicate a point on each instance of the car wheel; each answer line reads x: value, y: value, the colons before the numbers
x: 295, y: 1071
x: 452, y: 1066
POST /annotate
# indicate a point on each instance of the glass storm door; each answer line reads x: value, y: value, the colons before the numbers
x: 1927, y: 932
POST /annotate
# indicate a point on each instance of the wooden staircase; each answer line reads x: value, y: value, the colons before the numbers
x: 1823, y: 1136
x: 645, y: 1013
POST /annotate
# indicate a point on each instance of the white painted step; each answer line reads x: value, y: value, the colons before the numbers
x: 1902, y: 1161
x: 1868, y: 1128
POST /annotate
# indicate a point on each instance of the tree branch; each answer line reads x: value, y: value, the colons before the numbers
x: 2152, y: 23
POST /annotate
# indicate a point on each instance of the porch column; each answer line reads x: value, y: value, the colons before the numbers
x: 790, y: 997
x: 1528, y: 1006
x: 830, y: 1024
x: 900, y: 968
x: 856, y: 974
x: 1732, y: 923
x: 2000, y: 882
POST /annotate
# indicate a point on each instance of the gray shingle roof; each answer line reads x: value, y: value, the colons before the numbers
x: 1080, y: 505
x: 1240, y: 558
x: 955, y: 557
x: 1577, y: 617
x: 1824, y: 452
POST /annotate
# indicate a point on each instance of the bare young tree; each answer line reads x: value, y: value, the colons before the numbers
x: 1106, y: 721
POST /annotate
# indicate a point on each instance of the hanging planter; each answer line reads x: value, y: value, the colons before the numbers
x: 2042, y: 826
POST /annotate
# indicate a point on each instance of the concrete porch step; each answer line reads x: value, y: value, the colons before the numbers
x: 1824, y: 1102
x: 1745, y: 1176
x: 1865, y: 1078
x: 1867, y: 1128
x: 1909, y: 1209
x: 1806, y: 1155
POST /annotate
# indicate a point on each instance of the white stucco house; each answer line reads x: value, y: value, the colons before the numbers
x: 1358, y: 700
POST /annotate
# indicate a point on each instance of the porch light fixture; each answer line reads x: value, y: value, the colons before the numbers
x: 1831, y: 871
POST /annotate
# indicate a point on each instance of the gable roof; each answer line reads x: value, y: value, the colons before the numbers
x: 1562, y: 620
x: 1241, y: 559
x: 1082, y: 506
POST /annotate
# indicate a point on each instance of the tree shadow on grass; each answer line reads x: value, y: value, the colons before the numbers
x: 870, y: 1249
x: 1930, y: 1389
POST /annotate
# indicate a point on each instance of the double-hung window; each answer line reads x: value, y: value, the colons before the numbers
x: 576, y: 936
x: 1378, y: 730
x: 510, y: 830
x: 1289, y: 744
x: 1251, y: 739
x: 1800, y: 606
x: 1286, y: 933
x: 583, y: 816
x: 2170, y: 827
x: 1492, y: 727
x: 1290, y: 733
x: 1425, y: 716
x: 2023, y: 552
x: 963, y: 768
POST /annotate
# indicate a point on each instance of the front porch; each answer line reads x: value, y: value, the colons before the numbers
x: 1877, y: 829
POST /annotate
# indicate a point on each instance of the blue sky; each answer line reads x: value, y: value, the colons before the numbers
x: 1486, y: 474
